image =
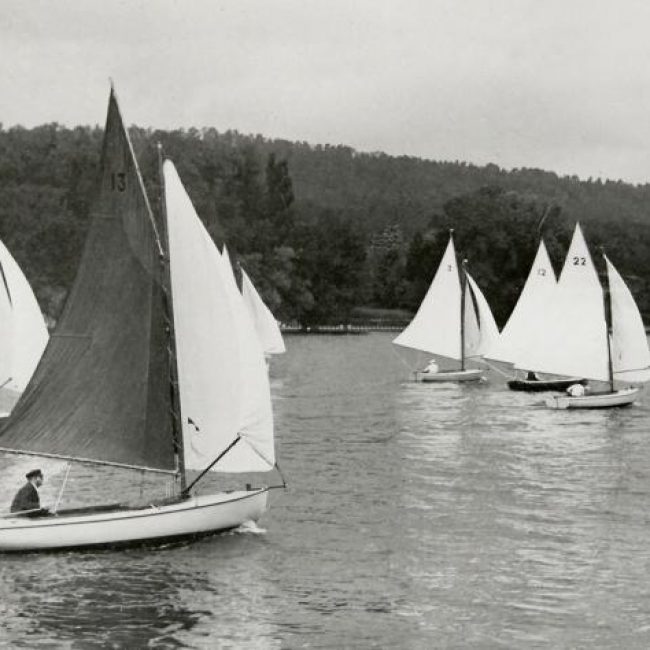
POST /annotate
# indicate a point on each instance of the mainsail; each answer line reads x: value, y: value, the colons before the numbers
x: 629, y: 344
x: 223, y: 382
x: 435, y: 327
x: 265, y: 324
x: 101, y: 391
x: 524, y: 329
x: 23, y: 334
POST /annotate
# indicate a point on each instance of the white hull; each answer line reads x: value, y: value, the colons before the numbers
x: 198, y: 515
x: 472, y: 374
x: 603, y: 400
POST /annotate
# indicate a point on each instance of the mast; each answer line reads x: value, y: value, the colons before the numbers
x: 168, y: 306
x: 463, y: 290
x: 607, y: 297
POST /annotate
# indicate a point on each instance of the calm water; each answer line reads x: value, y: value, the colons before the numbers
x: 416, y: 517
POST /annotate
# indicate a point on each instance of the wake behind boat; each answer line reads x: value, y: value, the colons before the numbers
x: 154, y: 366
x: 454, y: 321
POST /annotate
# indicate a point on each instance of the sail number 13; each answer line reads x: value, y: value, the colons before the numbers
x: 118, y: 181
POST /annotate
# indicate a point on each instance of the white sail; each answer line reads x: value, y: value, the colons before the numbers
x: 630, y: 354
x: 472, y: 332
x: 573, y: 339
x: 24, y: 327
x: 488, y: 332
x: 6, y: 332
x: 265, y: 324
x: 522, y: 331
x: 223, y: 382
x: 435, y: 327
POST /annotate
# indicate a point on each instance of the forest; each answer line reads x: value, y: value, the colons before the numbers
x: 328, y: 235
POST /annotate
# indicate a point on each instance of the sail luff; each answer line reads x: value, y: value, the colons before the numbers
x: 607, y: 300
x: 168, y: 303
x: 464, y: 295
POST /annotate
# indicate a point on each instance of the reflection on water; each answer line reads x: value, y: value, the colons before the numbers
x: 523, y: 526
x: 417, y: 516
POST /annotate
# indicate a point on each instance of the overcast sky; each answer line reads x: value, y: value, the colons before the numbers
x: 562, y: 85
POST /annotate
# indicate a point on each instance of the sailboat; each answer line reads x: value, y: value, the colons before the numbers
x: 525, y: 329
x: 453, y: 321
x: 154, y: 366
x: 592, y: 332
x: 23, y: 333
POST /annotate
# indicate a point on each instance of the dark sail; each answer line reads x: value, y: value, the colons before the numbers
x: 101, y: 391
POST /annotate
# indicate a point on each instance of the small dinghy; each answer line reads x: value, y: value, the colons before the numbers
x: 623, y: 397
x: 454, y: 321
x: 155, y: 366
x: 544, y: 385
x: 524, y: 332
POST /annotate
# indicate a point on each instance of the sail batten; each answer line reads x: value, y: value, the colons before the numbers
x: 102, y: 388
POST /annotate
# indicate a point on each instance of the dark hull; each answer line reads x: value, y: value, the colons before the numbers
x: 541, y: 385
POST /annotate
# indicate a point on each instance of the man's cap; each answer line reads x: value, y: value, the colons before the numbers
x: 34, y: 473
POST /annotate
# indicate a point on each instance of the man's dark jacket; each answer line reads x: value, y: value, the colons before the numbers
x: 26, y: 499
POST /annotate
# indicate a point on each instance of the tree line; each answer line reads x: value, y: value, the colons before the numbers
x: 323, y: 231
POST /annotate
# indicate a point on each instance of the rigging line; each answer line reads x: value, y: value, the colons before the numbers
x: 143, y: 192
x: 187, y: 489
x: 6, y: 284
x: 65, y: 480
x: 284, y: 480
x: 402, y: 360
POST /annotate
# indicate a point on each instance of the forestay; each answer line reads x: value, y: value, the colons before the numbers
x: 223, y: 381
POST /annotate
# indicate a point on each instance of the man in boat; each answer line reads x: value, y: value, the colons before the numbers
x: 433, y: 367
x: 532, y: 376
x: 576, y: 390
x: 27, y: 498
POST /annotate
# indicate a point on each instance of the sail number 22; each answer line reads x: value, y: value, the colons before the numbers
x: 118, y: 181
